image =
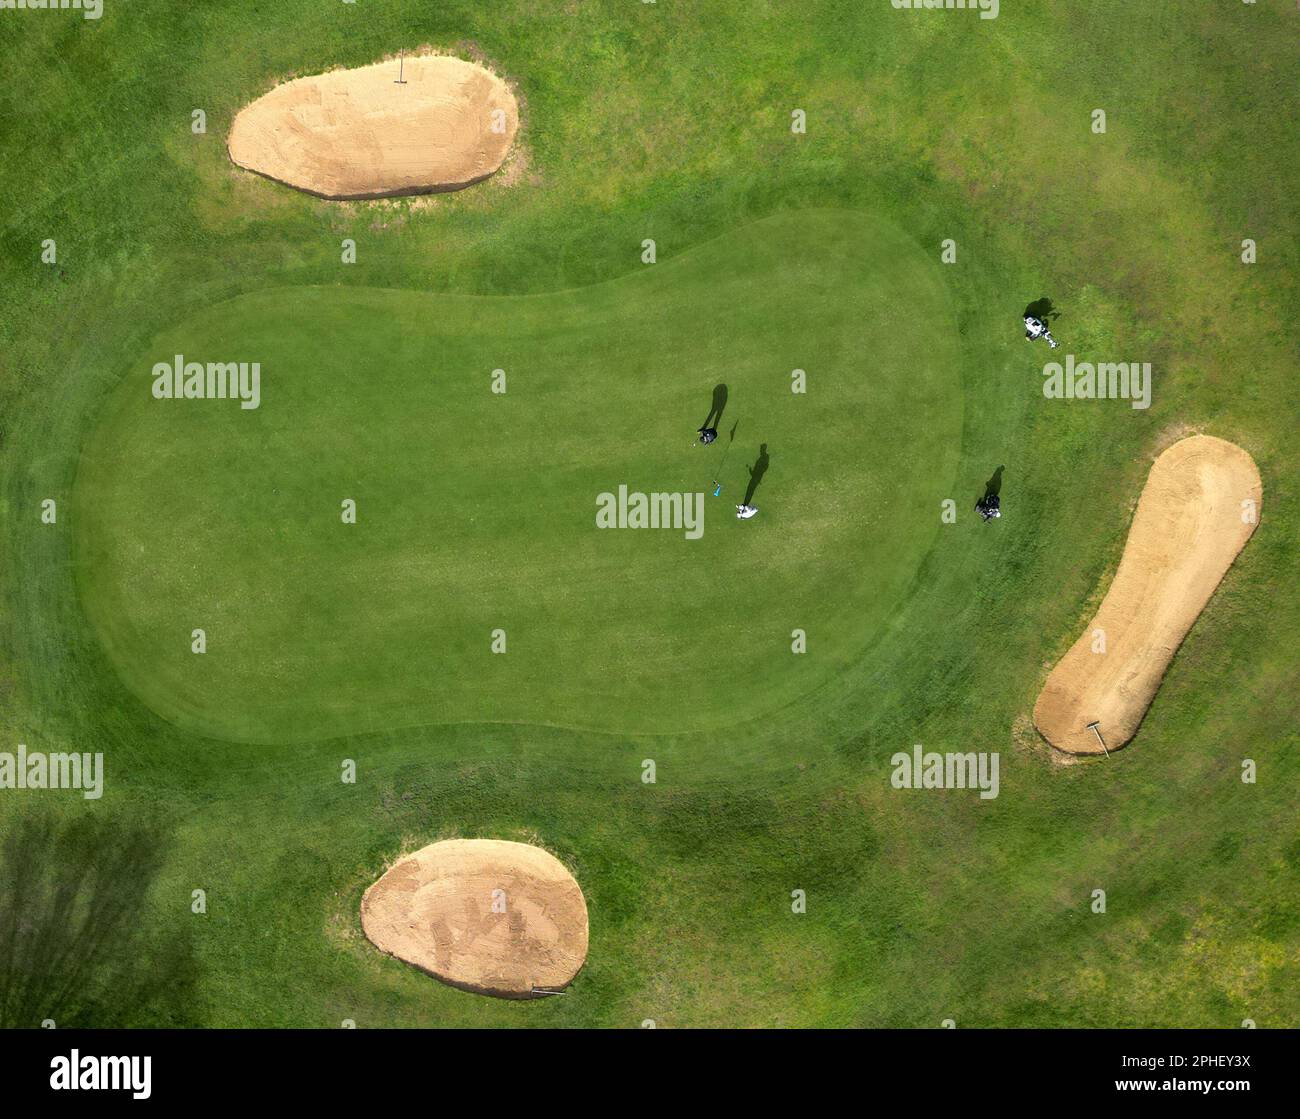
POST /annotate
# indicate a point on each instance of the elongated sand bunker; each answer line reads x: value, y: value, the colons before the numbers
x: 1197, y: 510
x: 353, y: 134
x: 488, y: 916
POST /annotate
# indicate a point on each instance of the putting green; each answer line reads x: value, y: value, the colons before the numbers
x: 477, y: 511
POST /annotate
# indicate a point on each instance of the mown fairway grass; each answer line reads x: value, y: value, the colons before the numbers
x: 671, y: 121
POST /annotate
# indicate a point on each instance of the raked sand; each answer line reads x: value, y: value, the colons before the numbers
x: 1200, y: 505
x: 486, y: 915
x: 355, y: 134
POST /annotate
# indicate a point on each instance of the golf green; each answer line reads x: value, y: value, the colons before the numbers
x: 476, y: 510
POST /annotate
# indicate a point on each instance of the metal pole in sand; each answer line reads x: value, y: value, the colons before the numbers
x: 1093, y: 727
x: 401, y: 69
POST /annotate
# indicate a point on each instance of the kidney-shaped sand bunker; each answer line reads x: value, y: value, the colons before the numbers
x: 363, y: 133
x: 485, y: 915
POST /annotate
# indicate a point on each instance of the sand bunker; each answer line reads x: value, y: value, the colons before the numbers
x: 489, y: 916
x: 362, y: 134
x: 1190, y: 525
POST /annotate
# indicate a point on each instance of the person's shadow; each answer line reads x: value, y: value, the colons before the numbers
x: 1042, y: 310
x: 756, y: 473
x: 715, y: 411
x: 993, y: 486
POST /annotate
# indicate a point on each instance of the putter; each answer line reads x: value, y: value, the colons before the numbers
x: 731, y: 442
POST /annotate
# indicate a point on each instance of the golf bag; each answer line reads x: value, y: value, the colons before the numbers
x: 1036, y: 329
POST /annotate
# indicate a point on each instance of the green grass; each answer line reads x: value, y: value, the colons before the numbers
x: 668, y: 121
x: 477, y: 511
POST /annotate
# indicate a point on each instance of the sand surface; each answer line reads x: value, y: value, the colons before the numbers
x: 1188, y: 529
x: 360, y: 134
x: 486, y: 915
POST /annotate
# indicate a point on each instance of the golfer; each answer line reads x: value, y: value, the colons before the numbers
x: 988, y: 507
x: 707, y: 435
x: 744, y: 512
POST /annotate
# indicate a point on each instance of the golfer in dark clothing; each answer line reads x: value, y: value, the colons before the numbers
x: 707, y: 434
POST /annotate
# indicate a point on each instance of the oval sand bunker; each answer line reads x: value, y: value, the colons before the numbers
x: 362, y: 134
x: 1189, y: 526
x: 485, y: 915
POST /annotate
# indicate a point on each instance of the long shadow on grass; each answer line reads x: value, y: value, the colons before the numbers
x: 1043, y: 310
x: 75, y: 938
x: 993, y: 487
x: 756, y: 473
x: 716, y: 408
